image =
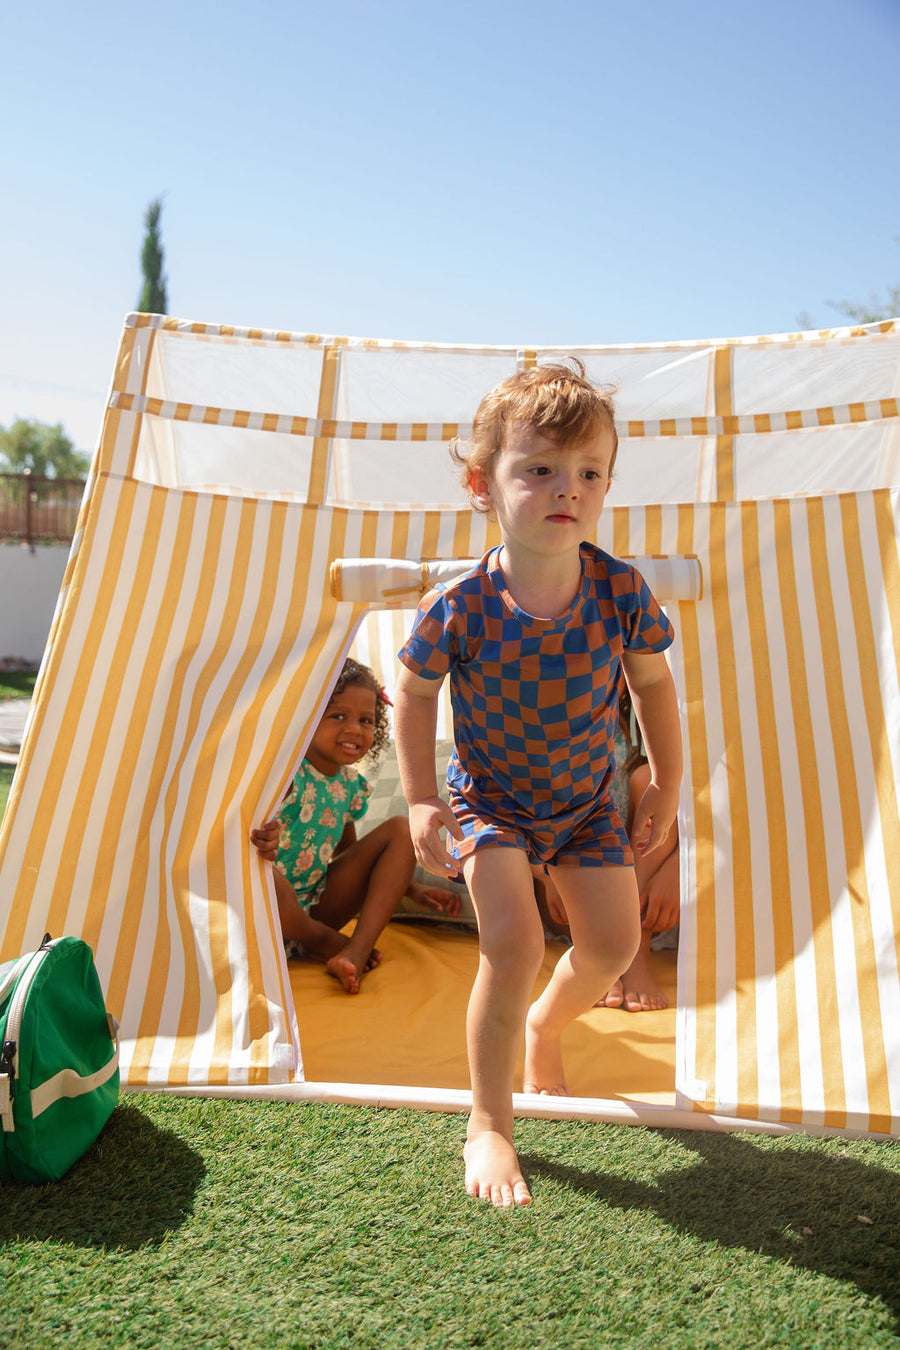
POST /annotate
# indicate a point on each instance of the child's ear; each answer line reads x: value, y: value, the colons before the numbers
x: 479, y: 488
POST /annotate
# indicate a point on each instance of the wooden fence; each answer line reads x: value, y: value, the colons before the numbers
x: 36, y: 510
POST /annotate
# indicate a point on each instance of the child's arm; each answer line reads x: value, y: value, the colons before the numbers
x: 415, y: 722
x: 653, y: 697
x: 348, y: 837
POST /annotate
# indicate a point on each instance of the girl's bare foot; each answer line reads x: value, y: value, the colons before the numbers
x: 544, y: 1073
x: 324, y: 942
x: 492, y: 1170
x: 344, y: 970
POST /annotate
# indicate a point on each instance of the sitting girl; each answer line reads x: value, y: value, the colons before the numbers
x: 324, y: 875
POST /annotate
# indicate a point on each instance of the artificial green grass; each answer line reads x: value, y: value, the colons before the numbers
x: 13, y: 684
x: 17, y: 683
x: 199, y: 1223
x: 6, y: 777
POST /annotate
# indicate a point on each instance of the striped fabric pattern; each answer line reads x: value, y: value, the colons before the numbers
x: 795, y: 419
x: 199, y: 629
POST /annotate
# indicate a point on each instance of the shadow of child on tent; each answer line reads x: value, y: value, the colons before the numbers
x: 324, y: 876
x: 809, y: 1205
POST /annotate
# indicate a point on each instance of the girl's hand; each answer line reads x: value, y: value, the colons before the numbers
x: 265, y: 839
x: 656, y: 814
x: 432, y: 897
x: 426, y: 820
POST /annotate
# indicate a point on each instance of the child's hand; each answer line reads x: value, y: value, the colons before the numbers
x: 660, y: 904
x: 265, y: 839
x: 656, y: 814
x: 426, y: 820
x: 432, y: 897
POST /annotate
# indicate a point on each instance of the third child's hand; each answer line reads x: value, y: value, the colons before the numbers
x: 426, y: 820
x: 656, y: 814
x: 659, y: 902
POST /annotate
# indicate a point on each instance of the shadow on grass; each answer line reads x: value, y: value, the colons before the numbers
x: 133, y: 1186
x: 798, y: 1206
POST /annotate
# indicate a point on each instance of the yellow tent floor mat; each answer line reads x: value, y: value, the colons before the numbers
x: 407, y: 1024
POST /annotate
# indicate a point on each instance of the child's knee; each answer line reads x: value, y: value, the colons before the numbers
x: 518, y: 956
x: 394, y: 834
x: 617, y: 948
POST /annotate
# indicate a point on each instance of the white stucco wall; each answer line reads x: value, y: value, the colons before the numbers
x: 30, y: 579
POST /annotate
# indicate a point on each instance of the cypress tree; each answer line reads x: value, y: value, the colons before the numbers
x: 153, y: 298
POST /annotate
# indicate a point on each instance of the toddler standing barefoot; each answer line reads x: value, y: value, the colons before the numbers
x: 535, y: 639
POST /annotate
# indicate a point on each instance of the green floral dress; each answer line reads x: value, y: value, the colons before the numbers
x: 312, y: 821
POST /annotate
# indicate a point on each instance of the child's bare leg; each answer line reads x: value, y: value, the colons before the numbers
x: 549, y: 903
x: 511, y: 948
x: 368, y: 881
x: 318, y: 939
x: 637, y: 990
x: 602, y: 906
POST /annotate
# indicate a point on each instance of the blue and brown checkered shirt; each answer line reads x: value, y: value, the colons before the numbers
x: 535, y: 701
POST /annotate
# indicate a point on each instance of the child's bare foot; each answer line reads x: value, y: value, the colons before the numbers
x: 492, y: 1170
x: 375, y: 959
x: 323, y: 942
x: 544, y: 1073
x: 641, y: 993
x: 344, y: 970
x: 612, y: 999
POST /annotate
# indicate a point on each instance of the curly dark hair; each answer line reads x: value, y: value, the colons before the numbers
x: 628, y: 725
x: 354, y: 673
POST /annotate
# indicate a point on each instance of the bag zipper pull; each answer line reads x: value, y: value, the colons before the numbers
x: 7, y: 1077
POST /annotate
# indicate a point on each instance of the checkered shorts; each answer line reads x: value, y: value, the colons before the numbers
x: 592, y: 837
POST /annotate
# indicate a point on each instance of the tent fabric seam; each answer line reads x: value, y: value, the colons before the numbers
x: 757, y: 424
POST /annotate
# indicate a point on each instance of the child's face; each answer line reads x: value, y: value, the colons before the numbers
x: 548, y: 495
x: 345, y: 732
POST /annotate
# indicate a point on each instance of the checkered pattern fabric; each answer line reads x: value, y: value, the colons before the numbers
x: 535, y: 702
x: 387, y: 800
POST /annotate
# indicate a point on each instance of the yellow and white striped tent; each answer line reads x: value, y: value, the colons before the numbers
x: 215, y: 585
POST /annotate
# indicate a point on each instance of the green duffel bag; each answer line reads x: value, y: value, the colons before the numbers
x: 59, y: 1060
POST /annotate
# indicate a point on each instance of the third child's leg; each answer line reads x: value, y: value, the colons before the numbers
x: 604, y: 920
x: 511, y: 948
x: 656, y: 874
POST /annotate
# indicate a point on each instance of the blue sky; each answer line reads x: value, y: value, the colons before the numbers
x: 476, y: 171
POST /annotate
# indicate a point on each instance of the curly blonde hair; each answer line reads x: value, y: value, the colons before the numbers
x: 558, y: 400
